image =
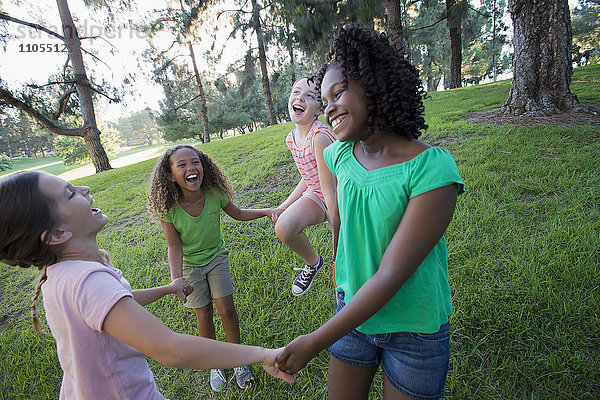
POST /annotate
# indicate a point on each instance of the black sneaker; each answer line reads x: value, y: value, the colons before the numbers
x: 305, y: 278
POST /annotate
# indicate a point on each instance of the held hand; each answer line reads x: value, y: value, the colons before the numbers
x: 274, y: 214
x: 181, y: 288
x: 270, y: 366
x: 297, y: 354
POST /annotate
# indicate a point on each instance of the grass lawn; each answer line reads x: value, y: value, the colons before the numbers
x: 524, y: 262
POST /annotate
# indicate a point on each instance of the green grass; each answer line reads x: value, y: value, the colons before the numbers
x: 524, y: 262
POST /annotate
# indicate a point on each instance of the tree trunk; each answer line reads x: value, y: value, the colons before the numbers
x: 263, y: 63
x: 84, y: 91
x: 542, y: 58
x: 394, y: 13
x: 292, y: 63
x: 202, y: 95
x: 454, y: 25
x: 494, y: 40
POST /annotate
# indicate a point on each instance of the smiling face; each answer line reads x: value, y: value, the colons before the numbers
x: 303, y: 105
x: 186, y: 169
x: 72, y: 205
x: 345, y: 104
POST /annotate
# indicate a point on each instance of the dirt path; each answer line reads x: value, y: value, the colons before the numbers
x: 115, y: 163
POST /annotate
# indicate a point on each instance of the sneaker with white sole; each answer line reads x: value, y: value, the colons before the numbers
x: 304, y: 280
x: 218, y: 381
x: 243, y: 376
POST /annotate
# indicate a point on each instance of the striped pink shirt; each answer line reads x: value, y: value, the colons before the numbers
x: 305, y: 157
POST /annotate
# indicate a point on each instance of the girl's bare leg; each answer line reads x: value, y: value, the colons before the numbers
x: 229, y: 317
x: 204, y: 317
x: 391, y: 393
x: 347, y: 381
x: 291, y: 224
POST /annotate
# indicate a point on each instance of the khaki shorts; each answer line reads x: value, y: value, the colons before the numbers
x: 310, y: 195
x: 211, y: 281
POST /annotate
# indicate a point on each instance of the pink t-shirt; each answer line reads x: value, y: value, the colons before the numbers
x: 305, y: 156
x: 77, y: 297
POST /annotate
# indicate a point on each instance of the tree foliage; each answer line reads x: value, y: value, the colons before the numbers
x: 585, y: 25
x: 139, y: 126
x: 5, y: 163
x: 20, y: 136
x: 73, y: 150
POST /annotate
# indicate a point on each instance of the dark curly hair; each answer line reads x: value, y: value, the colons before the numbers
x: 163, y: 194
x: 393, y: 88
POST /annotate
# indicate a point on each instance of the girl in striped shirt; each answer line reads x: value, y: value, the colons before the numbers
x: 306, y: 204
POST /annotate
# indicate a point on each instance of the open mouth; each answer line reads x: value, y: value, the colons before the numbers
x: 337, y: 120
x: 96, y: 211
x: 298, y: 109
x: 193, y: 178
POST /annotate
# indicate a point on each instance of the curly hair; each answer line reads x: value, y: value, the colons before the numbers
x: 25, y: 214
x: 164, y: 194
x: 393, y: 89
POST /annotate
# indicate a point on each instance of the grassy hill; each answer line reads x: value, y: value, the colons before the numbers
x: 523, y: 247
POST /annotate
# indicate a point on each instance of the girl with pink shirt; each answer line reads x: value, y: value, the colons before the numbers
x: 306, y: 204
x: 103, y: 333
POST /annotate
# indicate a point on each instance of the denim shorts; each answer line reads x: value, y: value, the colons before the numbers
x: 416, y: 364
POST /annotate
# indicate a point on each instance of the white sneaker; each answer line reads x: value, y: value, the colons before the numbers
x: 243, y: 376
x: 218, y: 381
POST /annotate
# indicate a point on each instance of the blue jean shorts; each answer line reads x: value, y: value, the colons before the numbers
x: 416, y: 364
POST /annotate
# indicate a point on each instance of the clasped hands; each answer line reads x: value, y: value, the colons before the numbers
x: 181, y: 288
x: 294, y: 357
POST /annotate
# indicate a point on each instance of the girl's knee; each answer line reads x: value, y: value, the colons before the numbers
x: 204, y: 314
x: 281, y: 228
x: 228, y: 313
x: 286, y: 228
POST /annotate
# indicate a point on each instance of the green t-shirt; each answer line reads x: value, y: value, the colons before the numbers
x: 201, y: 237
x: 371, y: 205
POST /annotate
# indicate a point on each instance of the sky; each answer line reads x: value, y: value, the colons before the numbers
x: 120, y: 51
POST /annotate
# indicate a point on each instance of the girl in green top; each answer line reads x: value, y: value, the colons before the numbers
x: 391, y: 198
x: 187, y: 192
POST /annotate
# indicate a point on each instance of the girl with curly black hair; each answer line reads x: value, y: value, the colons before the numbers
x: 187, y: 192
x: 392, y: 198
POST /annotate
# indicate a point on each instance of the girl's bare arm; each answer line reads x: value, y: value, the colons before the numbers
x: 247, y: 214
x: 179, y: 287
x: 130, y: 323
x: 175, y: 250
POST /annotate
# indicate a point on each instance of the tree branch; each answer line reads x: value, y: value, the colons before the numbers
x: 35, y: 114
x: 427, y: 26
x: 479, y: 12
x: 63, y: 102
x: 181, y: 105
x: 104, y: 94
x: 7, y: 17
x: 237, y: 11
x: 48, y: 84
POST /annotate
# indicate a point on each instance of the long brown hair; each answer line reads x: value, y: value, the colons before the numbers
x: 163, y: 194
x: 25, y: 214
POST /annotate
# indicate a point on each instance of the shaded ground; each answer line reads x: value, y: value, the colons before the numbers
x: 590, y: 117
